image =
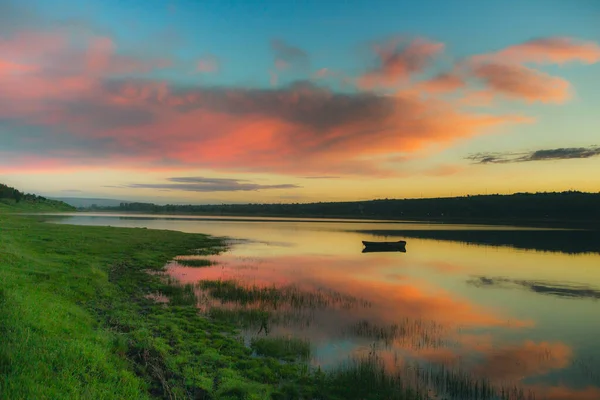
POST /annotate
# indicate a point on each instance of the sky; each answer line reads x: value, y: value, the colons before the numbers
x: 210, y: 101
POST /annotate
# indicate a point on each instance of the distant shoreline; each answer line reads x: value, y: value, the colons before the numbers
x: 533, y: 223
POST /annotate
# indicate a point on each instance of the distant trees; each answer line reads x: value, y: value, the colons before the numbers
x: 571, y: 205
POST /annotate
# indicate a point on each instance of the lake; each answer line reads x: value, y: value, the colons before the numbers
x: 513, y: 307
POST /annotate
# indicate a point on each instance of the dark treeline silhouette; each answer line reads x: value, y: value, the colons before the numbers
x: 10, y: 193
x: 556, y: 206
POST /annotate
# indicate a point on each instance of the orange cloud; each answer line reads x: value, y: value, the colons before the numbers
x: 565, y: 393
x: 513, y: 363
x: 77, y: 95
x: 397, y: 60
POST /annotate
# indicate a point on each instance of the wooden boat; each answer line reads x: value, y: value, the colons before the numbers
x: 384, y: 246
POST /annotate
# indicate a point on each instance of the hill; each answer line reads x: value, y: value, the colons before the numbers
x: 13, y: 200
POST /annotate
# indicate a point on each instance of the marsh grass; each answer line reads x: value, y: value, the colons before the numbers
x: 243, y: 317
x: 458, y: 384
x: 367, y: 378
x: 420, y: 333
x: 273, y: 297
x: 284, y: 348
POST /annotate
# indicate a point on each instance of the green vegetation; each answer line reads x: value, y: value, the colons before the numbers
x: 520, y: 207
x: 283, y: 348
x: 13, y: 200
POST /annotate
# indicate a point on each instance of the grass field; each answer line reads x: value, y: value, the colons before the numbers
x: 76, y: 322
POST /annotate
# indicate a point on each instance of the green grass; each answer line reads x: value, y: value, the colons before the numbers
x: 29, y: 206
x: 283, y: 348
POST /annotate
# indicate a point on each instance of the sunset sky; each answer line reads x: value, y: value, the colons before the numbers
x: 293, y: 101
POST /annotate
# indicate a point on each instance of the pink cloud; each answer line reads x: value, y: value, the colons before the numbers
x: 442, y: 83
x: 519, y: 82
x: 505, y: 74
x: 207, y: 65
x: 552, y: 50
x: 7, y: 67
x: 398, y: 60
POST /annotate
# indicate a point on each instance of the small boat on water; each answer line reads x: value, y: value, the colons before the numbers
x: 384, y: 246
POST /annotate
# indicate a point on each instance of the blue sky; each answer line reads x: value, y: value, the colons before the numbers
x: 281, y: 90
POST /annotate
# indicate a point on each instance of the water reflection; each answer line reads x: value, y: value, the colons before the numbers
x: 444, y: 306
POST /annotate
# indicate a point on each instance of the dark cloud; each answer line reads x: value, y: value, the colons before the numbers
x: 108, y: 116
x: 565, y: 153
x: 301, y: 102
x: 15, y: 16
x: 541, y: 287
x: 200, y: 184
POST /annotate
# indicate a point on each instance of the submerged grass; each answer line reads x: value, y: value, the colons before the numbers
x: 283, y: 348
x: 367, y: 379
x: 195, y: 262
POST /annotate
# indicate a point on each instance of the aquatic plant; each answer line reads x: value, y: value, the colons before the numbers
x: 195, y: 262
x: 286, y: 348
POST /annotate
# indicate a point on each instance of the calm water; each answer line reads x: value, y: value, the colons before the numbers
x: 512, y: 305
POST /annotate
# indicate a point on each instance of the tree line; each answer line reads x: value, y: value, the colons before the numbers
x: 570, y: 205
